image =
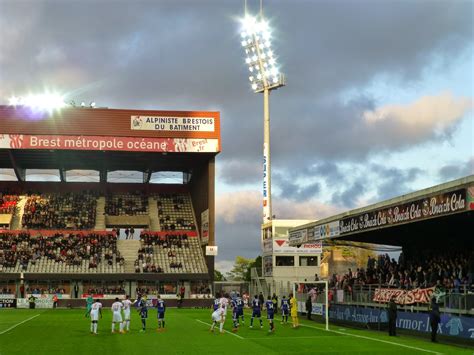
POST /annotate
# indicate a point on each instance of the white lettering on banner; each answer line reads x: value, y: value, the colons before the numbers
x: 180, y: 124
x: 299, y: 236
x: 327, y: 230
x: 281, y: 246
x: 266, y: 182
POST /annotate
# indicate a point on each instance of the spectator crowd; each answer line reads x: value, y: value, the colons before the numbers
x: 448, y: 270
x: 60, y: 211
x: 8, y: 204
x: 131, y: 204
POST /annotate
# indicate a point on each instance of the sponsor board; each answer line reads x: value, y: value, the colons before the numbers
x: 327, y: 230
x: 7, y: 302
x: 452, y: 325
x: 39, y: 303
x: 317, y: 308
x: 282, y: 246
x: 106, y: 143
x: 268, y: 265
x: 266, y: 186
x: 172, y: 124
x: 428, y: 207
x: 417, y: 295
x: 205, y: 226
x: 298, y: 237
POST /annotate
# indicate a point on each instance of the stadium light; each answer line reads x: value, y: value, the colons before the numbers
x: 46, y: 102
x: 256, y: 40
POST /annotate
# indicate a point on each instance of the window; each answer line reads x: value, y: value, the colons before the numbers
x: 285, y: 261
x: 309, y: 261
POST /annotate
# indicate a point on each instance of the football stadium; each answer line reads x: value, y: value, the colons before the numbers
x: 109, y: 225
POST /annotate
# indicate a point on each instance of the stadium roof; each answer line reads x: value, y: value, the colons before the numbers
x: 85, y: 140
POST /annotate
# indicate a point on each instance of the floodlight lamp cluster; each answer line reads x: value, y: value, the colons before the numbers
x: 260, y: 58
x: 46, y: 102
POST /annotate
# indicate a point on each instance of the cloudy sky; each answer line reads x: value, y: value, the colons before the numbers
x: 379, y: 100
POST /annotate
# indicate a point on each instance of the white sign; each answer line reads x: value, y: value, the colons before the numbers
x: 39, y: 303
x: 281, y: 246
x: 327, y: 230
x: 298, y: 237
x: 211, y: 250
x: 175, y: 124
x: 267, y: 245
x: 205, y: 226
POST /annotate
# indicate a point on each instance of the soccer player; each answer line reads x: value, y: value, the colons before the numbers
x: 224, y: 302
x: 89, y: 302
x: 285, y: 306
x: 161, y: 307
x: 235, y: 312
x: 127, y: 304
x: 95, y: 311
x: 143, y: 310
x: 240, y: 308
x: 270, y: 313
x: 256, y: 311
x: 218, y: 316
x: 117, y: 315
x: 294, y: 311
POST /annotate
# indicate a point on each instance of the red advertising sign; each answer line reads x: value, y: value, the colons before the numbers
x: 128, y: 144
x: 417, y: 295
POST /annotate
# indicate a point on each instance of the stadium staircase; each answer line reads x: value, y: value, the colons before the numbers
x: 18, y: 216
x: 100, y: 214
x: 129, y: 251
x: 153, y: 210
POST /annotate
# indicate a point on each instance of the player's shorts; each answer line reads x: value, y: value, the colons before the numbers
x: 117, y: 317
x: 161, y: 315
x: 284, y: 312
x: 216, y: 317
x: 270, y: 315
x: 294, y: 313
x: 240, y: 312
x: 257, y: 314
x: 144, y: 314
x: 95, y: 315
x: 126, y: 314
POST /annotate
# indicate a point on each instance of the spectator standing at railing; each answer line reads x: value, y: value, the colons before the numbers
x: 435, y: 319
x: 392, y: 317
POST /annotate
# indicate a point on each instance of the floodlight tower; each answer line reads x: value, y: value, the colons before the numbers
x: 264, y: 77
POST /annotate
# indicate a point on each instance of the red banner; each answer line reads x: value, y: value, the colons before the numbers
x: 175, y: 232
x: 417, y: 295
x: 129, y: 144
x: 52, y: 232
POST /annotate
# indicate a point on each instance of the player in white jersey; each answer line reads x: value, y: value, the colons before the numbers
x: 224, y: 303
x: 126, y: 312
x: 117, y: 315
x: 95, y: 311
x: 218, y: 316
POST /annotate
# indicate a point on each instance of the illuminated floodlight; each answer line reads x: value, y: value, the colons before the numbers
x: 46, y: 102
x: 92, y: 104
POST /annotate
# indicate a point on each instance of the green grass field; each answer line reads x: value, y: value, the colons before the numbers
x: 187, y: 332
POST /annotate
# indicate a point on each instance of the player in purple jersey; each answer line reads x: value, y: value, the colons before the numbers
x: 256, y: 311
x: 270, y: 313
x: 285, y: 310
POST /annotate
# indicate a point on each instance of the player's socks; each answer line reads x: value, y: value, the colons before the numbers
x: 128, y: 325
x: 95, y: 328
x: 261, y: 323
x: 92, y: 327
x: 113, y: 327
x: 121, y: 327
x: 163, y: 324
x: 221, y: 327
x: 143, y: 324
x: 251, y: 322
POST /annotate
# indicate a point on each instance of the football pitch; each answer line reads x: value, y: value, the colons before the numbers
x: 187, y: 332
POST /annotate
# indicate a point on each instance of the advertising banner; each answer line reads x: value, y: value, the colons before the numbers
x: 205, y: 226
x: 452, y: 325
x: 175, y: 124
x: 211, y: 250
x: 39, y: 303
x: 327, y: 230
x: 7, y: 302
x: 268, y: 265
x: 267, y: 245
x: 282, y: 246
x: 105, y: 143
x: 317, y: 308
x: 266, y: 186
x: 298, y: 237
x: 417, y: 295
x: 428, y: 207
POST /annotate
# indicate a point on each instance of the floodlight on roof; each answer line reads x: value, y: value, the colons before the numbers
x: 46, y: 102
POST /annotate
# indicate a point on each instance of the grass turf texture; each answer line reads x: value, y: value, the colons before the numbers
x: 187, y: 332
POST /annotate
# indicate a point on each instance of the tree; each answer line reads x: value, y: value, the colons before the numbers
x: 240, y: 269
x: 219, y: 276
x: 257, y: 263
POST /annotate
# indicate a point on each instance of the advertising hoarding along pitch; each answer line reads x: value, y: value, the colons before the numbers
x: 281, y: 246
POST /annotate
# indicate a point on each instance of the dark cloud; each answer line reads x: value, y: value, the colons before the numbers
x: 291, y: 189
x: 394, y: 181
x: 457, y: 170
x: 348, y: 197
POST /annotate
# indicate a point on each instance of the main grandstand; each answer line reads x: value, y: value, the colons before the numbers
x: 105, y: 238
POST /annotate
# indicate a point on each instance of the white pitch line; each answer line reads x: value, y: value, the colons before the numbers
x: 16, y: 325
x: 238, y: 336
x: 374, y: 339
